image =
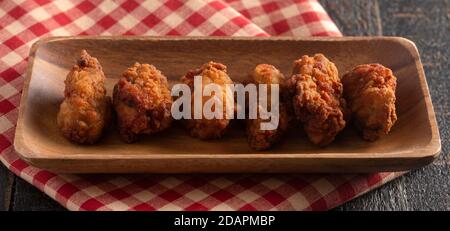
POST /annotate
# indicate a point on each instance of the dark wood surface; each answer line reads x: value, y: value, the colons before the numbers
x: 424, y: 22
x: 427, y: 24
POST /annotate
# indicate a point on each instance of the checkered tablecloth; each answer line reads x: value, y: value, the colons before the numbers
x: 22, y: 22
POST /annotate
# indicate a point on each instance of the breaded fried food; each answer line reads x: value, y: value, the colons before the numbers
x: 370, y: 93
x: 142, y: 102
x: 317, y: 100
x: 204, y: 128
x: 259, y: 139
x: 86, y: 110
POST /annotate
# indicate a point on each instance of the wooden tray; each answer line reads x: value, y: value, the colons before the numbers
x: 413, y: 142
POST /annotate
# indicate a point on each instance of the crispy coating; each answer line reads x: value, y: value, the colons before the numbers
x: 142, y: 102
x: 370, y: 93
x: 203, y: 128
x: 86, y: 110
x: 264, y: 139
x: 317, y: 101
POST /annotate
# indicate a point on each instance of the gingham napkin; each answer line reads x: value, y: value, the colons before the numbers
x: 23, y: 22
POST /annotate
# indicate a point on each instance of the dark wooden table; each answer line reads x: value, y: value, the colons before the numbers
x: 424, y: 22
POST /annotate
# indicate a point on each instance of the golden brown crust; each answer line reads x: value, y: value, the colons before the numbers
x: 266, y: 74
x: 142, y: 102
x: 317, y: 101
x: 210, y: 72
x: 263, y: 139
x: 86, y: 110
x: 370, y: 93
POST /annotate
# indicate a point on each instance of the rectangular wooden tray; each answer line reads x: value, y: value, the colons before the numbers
x: 413, y: 142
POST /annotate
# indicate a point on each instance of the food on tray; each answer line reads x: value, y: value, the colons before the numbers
x: 313, y: 94
x: 142, y: 102
x: 316, y: 92
x: 370, y: 93
x: 202, y: 127
x: 86, y: 110
x: 259, y: 139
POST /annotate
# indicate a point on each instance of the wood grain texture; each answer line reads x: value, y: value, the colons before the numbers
x: 39, y: 141
x: 424, y: 189
x: 355, y: 18
x: 6, y: 187
x: 29, y: 198
x: 428, y: 24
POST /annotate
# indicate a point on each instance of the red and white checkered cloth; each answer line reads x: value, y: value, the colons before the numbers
x: 22, y: 22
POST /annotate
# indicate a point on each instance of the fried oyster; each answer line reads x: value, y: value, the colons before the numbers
x: 210, y: 73
x: 86, y: 110
x: 259, y: 139
x: 370, y: 93
x: 316, y: 92
x: 142, y: 102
